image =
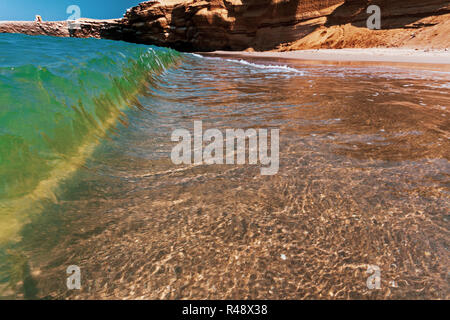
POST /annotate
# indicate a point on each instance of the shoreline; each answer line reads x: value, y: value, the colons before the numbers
x: 422, y: 59
x: 361, y: 181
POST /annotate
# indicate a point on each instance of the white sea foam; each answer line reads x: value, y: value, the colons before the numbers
x: 279, y: 68
x: 196, y: 55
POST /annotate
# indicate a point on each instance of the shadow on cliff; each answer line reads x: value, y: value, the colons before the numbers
x: 394, y: 14
x: 265, y: 24
x: 257, y: 24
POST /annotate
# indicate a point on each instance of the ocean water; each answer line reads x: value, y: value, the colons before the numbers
x: 58, y: 98
x: 87, y: 178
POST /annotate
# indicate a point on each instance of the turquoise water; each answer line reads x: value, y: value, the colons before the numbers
x: 58, y: 97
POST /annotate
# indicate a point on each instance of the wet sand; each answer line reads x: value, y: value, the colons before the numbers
x: 399, y: 57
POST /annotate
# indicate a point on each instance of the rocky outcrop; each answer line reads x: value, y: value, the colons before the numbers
x: 226, y: 24
x: 84, y: 28
x: 54, y: 28
x: 207, y: 25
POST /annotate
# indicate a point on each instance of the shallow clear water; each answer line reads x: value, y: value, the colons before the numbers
x: 58, y: 98
x: 363, y: 180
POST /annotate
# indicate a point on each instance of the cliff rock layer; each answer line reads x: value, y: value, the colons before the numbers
x: 226, y: 24
x: 405, y: 23
x: 206, y: 25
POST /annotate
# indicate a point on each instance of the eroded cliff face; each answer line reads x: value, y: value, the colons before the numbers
x: 282, y: 24
x: 226, y: 24
x: 404, y: 23
x: 207, y: 25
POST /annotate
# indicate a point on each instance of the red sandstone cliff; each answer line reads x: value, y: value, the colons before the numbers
x: 205, y: 25
x: 404, y: 23
x: 227, y: 24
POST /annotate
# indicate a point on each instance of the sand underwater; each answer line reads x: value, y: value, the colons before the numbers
x: 87, y: 179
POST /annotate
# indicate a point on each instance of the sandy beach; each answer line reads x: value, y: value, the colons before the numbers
x: 384, y: 55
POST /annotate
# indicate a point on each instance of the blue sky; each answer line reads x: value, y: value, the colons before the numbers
x: 56, y: 9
